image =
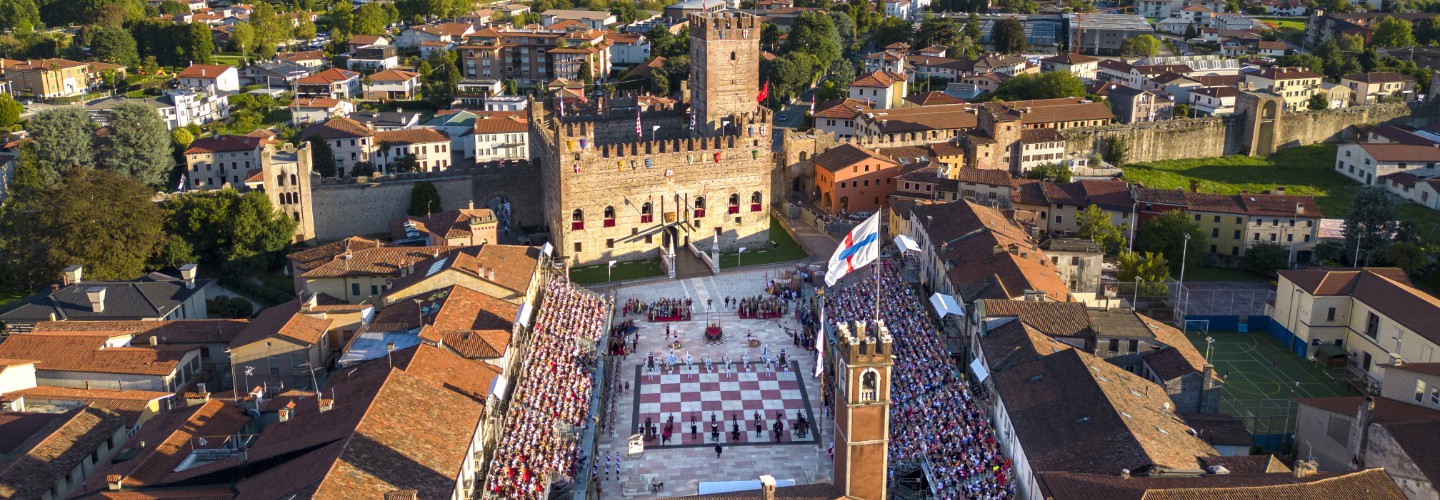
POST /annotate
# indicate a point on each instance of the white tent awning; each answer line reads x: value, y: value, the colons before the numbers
x: 906, y: 244
x: 945, y: 305
x: 978, y: 369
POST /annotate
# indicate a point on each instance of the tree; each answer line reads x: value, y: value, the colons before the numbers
x: 63, y: 140
x: 1427, y: 31
x: 1410, y: 257
x: 114, y: 45
x: 199, y: 45
x: 973, y: 27
x: 585, y: 73
x: 229, y: 307
x: 10, y: 110
x: 322, y: 157
x: 171, y: 7
x: 1141, y: 46
x: 19, y: 16
x: 1082, y: 6
x: 242, y: 38
x: 1047, y: 85
x: 1264, y: 258
x: 1148, y: 269
x: 938, y: 31
x: 891, y: 30
x: 182, y: 138
x: 1351, y: 42
x: 1370, y: 225
x: 305, y: 28
x: 1095, y: 226
x: 1165, y: 235
x: 98, y: 219
x: 424, y: 199
x: 659, y: 83
x: 140, y: 148
x: 441, y: 83
x: 1318, y: 102
x: 1050, y: 172
x: 1008, y: 36
x: 1182, y: 111
x: 1392, y: 32
x: 224, y: 226
x: 1117, y: 150
x: 814, y: 33
x: 1190, y: 32
x: 844, y: 28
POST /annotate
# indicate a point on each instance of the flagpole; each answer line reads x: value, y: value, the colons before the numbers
x: 878, y: 264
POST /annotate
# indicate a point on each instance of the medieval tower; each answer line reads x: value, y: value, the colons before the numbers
x: 724, y: 67
x: 862, y: 410
x: 625, y: 184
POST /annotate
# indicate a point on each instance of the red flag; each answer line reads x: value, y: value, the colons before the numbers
x: 765, y: 92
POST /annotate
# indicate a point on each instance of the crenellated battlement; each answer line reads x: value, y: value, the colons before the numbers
x: 717, y: 25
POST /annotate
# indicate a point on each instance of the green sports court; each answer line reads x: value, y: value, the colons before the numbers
x: 1262, y: 377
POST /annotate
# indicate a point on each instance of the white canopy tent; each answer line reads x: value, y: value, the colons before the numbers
x: 906, y: 244
x: 945, y: 305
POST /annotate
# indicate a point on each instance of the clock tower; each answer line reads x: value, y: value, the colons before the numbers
x: 862, y: 410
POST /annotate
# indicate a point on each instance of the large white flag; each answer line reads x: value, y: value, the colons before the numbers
x: 860, y: 247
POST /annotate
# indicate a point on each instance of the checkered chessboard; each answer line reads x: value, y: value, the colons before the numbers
x: 727, y: 396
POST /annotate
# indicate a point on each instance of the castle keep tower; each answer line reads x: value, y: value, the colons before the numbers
x: 862, y: 410
x: 724, y: 67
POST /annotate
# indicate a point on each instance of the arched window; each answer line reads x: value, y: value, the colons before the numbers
x: 609, y: 216
x: 296, y: 215
x: 699, y: 206
x: 734, y: 204
x: 280, y: 179
x: 732, y: 55
x: 647, y: 213
x: 803, y: 155
x: 577, y: 220
x: 755, y: 202
x: 870, y: 386
x: 292, y: 180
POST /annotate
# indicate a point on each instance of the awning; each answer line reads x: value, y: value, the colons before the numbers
x: 978, y: 369
x: 545, y: 249
x: 945, y: 305
x: 906, y: 244
x: 1332, y: 350
x: 523, y: 315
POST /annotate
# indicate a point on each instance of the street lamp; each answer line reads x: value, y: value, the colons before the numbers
x: 1184, y: 251
x: 737, y: 256
x: 607, y: 270
x: 1209, y: 347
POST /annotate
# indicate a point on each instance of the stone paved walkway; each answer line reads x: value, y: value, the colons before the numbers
x: 682, y: 467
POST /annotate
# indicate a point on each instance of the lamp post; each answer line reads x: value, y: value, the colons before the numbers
x: 1184, y: 251
x: 737, y: 256
x: 607, y: 271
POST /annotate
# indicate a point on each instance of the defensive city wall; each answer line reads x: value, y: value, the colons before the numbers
x: 348, y: 207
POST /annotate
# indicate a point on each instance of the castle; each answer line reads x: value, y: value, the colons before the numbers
x: 622, y: 188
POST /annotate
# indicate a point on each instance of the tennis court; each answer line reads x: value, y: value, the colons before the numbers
x: 1262, y: 377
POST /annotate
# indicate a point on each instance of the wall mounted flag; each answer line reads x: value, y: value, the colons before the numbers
x: 764, y: 92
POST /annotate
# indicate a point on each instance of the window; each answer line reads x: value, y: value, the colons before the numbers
x: 1372, y: 326
x: 1435, y: 395
x: 870, y: 386
x: 1059, y: 218
x: 755, y: 201
x: 577, y: 220
x: 1217, y: 218
x: 647, y: 213
x: 1419, y: 391
x: 1134, y: 345
x: 577, y: 247
x: 610, y: 243
x: 609, y: 215
x: 1237, y: 234
x: 1330, y: 314
x: 1212, y: 248
x: 1215, y: 232
x: 699, y: 206
x: 735, y: 202
x: 355, y: 289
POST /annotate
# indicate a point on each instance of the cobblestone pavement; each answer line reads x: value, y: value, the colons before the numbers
x: 684, y: 464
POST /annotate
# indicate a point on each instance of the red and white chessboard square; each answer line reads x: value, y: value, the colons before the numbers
x: 730, y: 398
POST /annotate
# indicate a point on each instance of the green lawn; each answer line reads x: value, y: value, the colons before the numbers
x: 785, y: 249
x: 590, y: 275
x: 1284, y: 24
x: 235, y: 61
x: 1303, y: 171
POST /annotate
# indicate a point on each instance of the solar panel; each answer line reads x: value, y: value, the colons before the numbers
x: 436, y: 267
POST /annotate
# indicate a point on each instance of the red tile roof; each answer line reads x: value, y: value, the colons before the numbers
x: 329, y: 76
x: 88, y: 354
x: 411, y: 136
x: 204, y: 71
x: 339, y: 127
x: 223, y: 143
x: 53, y: 451
x: 168, y: 439
x: 285, y: 320
x: 394, y: 75
x: 185, y: 331
x: 1386, y: 290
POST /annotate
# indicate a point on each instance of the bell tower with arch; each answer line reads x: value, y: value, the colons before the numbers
x: 862, y: 410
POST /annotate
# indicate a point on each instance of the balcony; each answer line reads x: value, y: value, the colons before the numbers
x: 699, y: 212
x: 647, y: 218
x: 754, y: 207
x: 609, y: 223
x: 577, y: 225
x: 734, y: 209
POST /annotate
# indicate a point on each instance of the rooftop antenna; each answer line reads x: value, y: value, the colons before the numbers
x: 389, y: 348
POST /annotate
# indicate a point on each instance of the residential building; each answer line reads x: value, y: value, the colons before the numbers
x: 1354, y: 433
x: 1213, y: 101
x: 1295, y: 85
x: 333, y: 83
x: 510, y: 273
x: 1038, y: 147
x: 1082, y: 66
x: 1244, y: 477
x: 373, y: 58
x: 1369, y: 163
x: 274, y: 74
x: 1369, y: 88
x: 971, y: 252
x: 287, y: 346
x: 501, y: 138
x: 1055, y: 206
x: 105, y: 360
x: 1078, y: 261
x: 154, y: 296
x: 352, y: 142
x: 45, y: 78
x: 211, y: 336
x: 429, y: 148
x: 1132, y: 105
x: 134, y: 407
x: 460, y: 127
x: 223, y: 160
x: 385, y: 121
x: 595, y: 20
x: 838, y: 116
x: 628, y: 49
x: 392, y: 84
x: 1234, y: 223
x: 1374, y: 314
x: 307, y: 111
x: 524, y: 54
x: 462, y: 227
x: 1424, y: 191
x: 1105, y: 34
x: 355, y: 269
x: 313, y: 59
x: 1154, y: 9
x: 212, y: 78
x: 850, y: 179
x: 48, y: 456
x: 415, y: 36
x: 882, y: 89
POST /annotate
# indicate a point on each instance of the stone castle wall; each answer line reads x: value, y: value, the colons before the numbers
x: 348, y: 207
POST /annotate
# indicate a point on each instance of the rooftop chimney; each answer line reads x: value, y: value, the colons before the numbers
x: 490, y: 274
x: 115, y: 482
x: 154, y: 340
x: 187, y: 273
x: 284, y: 414
x: 767, y: 487
x: 1280, y: 190
x: 1299, y: 208
x: 97, y: 298
x: 1305, y: 468
x: 73, y: 274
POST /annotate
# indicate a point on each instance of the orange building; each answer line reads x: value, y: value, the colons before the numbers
x: 852, y: 179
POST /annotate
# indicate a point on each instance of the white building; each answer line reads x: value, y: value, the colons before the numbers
x: 214, y: 162
x: 210, y: 77
x: 1082, y: 66
x: 429, y: 147
x: 1421, y: 187
x: 883, y: 89
x: 628, y: 49
x: 1368, y: 162
x: 902, y: 9
x: 1213, y: 101
x: 351, y: 141
x: 307, y: 111
x: 505, y: 138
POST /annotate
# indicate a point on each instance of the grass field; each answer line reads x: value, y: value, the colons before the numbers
x: 785, y: 249
x: 1262, y: 377
x: 235, y: 61
x: 1303, y: 171
x: 1283, y: 23
x: 590, y: 275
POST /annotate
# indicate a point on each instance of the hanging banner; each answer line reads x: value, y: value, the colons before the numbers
x: 582, y: 143
x: 649, y: 162
x: 717, y: 157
